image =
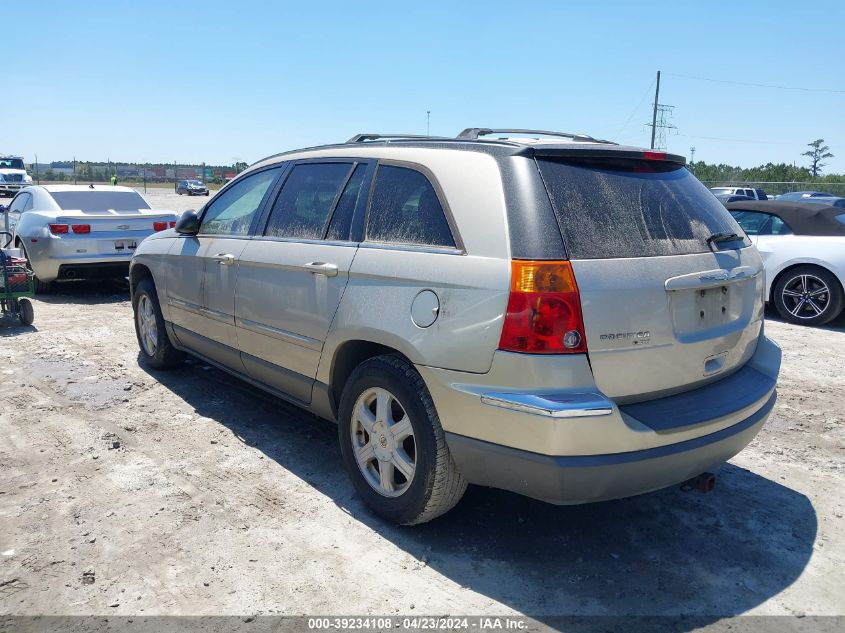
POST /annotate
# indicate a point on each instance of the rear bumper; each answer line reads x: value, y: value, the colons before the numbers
x: 55, y: 258
x: 552, y: 435
x: 587, y: 478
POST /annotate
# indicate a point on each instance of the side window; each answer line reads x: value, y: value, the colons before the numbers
x: 405, y: 210
x: 342, y: 217
x: 231, y: 212
x: 779, y: 227
x: 302, y: 208
x: 19, y: 204
x: 752, y: 222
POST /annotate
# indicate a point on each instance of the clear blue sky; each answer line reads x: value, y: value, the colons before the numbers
x: 214, y: 81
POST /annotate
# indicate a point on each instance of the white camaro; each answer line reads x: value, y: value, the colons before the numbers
x: 803, y: 249
x: 80, y: 231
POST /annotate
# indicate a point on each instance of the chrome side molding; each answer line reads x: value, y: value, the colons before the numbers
x: 552, y: 405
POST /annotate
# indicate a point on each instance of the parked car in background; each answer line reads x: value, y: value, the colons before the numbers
x: 749, y: 192
x: 81, y: 231
x: 725, y: 198
x: 792, y: 196
x: 832, y: 201
x: 453, y: 303
x: 803, y: 248
x: 192, y: 188
x: 13, y: 176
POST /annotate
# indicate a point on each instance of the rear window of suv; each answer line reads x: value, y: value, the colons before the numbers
x: 632, y: 208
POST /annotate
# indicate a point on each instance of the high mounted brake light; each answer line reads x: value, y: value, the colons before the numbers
x: 544, y: 310
x: 654, y: 155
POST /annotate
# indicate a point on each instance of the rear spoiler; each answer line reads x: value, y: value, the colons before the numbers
x: 580, y: 151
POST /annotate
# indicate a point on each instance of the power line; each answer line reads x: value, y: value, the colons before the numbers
x: 744, y: 83
x: 645, y: 94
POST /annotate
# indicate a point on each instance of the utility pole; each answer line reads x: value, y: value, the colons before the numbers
x: 654, y: 114
x: 660, y: 120
x: 37, y: 175
x: 428, y: 122
x: 74, y: 170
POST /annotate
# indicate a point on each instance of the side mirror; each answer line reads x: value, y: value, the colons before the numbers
x: 188, y: 224
x: 3, y: 208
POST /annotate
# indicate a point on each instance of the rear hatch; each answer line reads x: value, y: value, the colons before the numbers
x: 670, y: 300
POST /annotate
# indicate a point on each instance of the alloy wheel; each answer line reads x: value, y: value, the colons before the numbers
x: 147, y: 325
x: 383, y: 442
x: 806, y: 296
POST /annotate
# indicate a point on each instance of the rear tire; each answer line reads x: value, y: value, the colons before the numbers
x: 156, y: 348
x: 808, y: 295
x: 26, y: 313
x: 389, y: 431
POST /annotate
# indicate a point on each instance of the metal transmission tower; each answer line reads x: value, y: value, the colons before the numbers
x: 662, y: 125
x: 660, y: 120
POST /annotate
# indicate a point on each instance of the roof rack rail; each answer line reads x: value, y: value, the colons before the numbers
x: 475, y: 132
x: 360, y: 138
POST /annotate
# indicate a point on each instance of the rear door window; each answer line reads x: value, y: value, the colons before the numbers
x: 341, y: 222
x: 405, y: 209
x: 608, y: 208
x: 302, y: 208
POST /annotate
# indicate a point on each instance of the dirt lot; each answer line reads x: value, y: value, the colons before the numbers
x: 130, y: 491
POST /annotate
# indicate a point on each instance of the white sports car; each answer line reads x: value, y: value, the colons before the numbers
x: 80, y: 231
x: 803, y: 249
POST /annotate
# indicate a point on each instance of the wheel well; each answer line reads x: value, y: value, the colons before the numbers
x: 347, y: 357
x: 793, y: 267
x: 138, y: 272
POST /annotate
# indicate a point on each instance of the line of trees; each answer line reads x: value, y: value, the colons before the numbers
x: 772, y: 172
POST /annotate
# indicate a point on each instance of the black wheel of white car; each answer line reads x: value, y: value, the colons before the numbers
x: 393, y: 446
x: 808, y: 295
x: 156, y: 348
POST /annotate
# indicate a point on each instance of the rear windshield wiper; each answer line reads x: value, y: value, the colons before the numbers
x: 721, y: 238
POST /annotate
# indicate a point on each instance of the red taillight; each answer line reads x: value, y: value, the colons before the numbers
x: 58, y: 229
x: 172, y: 224
x: 544, y: 310
x: 159, y: 226
x: 654, y: 155
x: 81, y: 228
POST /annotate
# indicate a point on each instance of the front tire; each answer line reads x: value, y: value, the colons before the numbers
x: 156, y: 349
x: 393, y: 445
x: 808, y: 295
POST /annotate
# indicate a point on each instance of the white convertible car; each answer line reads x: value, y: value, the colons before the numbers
x: 80, y: 231
x: 803, y: 249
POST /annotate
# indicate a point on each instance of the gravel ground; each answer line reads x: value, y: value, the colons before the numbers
x: 127, y: 491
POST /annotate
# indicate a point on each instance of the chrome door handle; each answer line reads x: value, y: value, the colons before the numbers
x: 225, y: 259
x: 322, y: 268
